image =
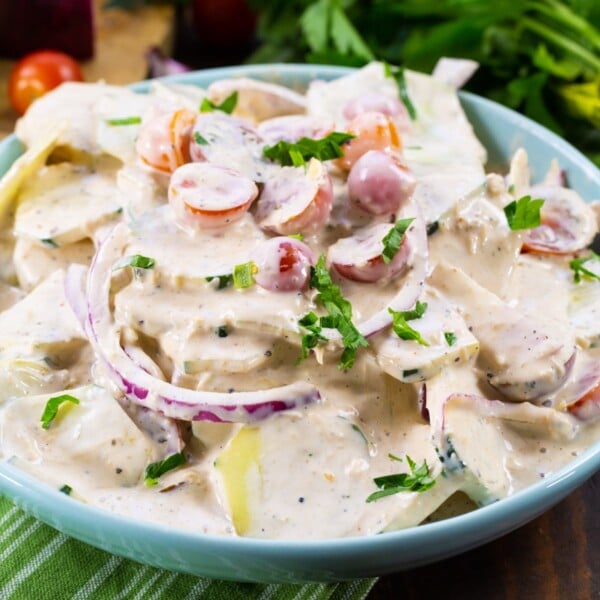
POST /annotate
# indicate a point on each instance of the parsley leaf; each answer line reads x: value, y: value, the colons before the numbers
x: 125, y: 121
x: 418, y: 480
x: 310, y: 340
x: 400, y: 326
x: 397, y: 74
x: 136, y: 260
x: 224, y: 280
x: 157, y: 469
x: 243, y: 275
x: 227, y: 106
x: 298, y: 153
x: 339, y: 316
x: 393, y: 240
x: 66, y: 489
x: 450, y: 338
x: 579, y: 271
x: 52, y: 406
x: 200, y: 140
x: 523, y: 213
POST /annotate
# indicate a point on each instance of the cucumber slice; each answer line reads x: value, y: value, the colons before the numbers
x: 442, y: 327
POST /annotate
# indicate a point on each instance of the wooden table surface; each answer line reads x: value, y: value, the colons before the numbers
x: 555, y: 557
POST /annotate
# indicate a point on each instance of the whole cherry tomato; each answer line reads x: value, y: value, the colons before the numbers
x: 38, y: 73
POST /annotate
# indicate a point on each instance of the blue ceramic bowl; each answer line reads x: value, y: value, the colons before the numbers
x: 501, y: 131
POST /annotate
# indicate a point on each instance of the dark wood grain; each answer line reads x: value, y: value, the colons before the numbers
x: 555, y: 557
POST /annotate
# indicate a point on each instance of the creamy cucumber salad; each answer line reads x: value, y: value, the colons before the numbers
x: 253, y: 311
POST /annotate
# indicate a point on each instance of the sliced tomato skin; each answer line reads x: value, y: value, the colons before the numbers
x: 38, y: 73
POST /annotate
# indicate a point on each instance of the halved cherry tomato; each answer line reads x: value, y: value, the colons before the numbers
x: 205, y: 196
x: 38, y: 73
x: 164, y: 139
x: 283, y: 264
x: 373, y: 131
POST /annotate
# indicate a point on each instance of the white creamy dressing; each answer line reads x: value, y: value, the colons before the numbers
x: 304, y: 472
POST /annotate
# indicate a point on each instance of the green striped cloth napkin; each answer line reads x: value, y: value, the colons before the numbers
x: 40, y: 563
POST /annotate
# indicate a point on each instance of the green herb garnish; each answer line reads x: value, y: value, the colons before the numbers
x: 224, y: 280
x: 243, y: 275
x: 202, y: 141
x: 222, y: 331
x: 297, y: 236
x: 136, y: 260
x: 579, y: 271
x: 523, y: 213
x: 49, y: 242
x: 397, y: 74
x: 298, y: 153
x: 310, y: 340
x: 157, y: 469
x: 393, y: 240
x: 66, y: 489
x: 418, y: 480
x: 400, y: 326
x: 339, y: 316
x: 125, y: 121
x: 450, y: 338
x: 227, y: 106
x: 52, y: 406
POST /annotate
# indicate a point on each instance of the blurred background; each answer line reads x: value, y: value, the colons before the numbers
x: 540, y: 57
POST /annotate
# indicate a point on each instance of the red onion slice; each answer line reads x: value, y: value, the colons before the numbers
x: 147, y: 390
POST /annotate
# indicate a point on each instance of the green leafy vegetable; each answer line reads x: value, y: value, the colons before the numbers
x: 298, y: 153
x: 418, y: 480
x: 125, y: 121
x: 200, y: 140
x: 400, y: 326
x: 52, y: 406
x: 224, y: 280
x: 136, y: 260
x: 297, y: 236
x: 580, y: 270
x: 243, y: 275
x: 157, y: 469
x: 66, y: 489
x: 393, y: 240
x: 450, y: 338
x: 523, y: 213
x: 397, y: 74
x: 314, y: 337
x: 227, y: 106
x: 339, y: 316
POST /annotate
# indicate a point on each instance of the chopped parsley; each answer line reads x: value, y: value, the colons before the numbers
x: 298, y: 153
x: 579, y: 270
x: 310, y: 340
x: 222, y: 331
x: 159, y: 468
x: 224, y: 280
x: 227, y: 106
x: 393, y: 240
x: 125, y: 121
x: 137, y: 261
x: 49, y: 242
x: 66, y: 489
x: 450, y: 338
x: 397, y: 74
x: 202, y: 141
x: 400, y: 326
x: 339, y: 316
x: 523, y: 213
x: 243, y: 275
x: 297, y: 236
x: 418, y: 480
x: 52, y: 406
